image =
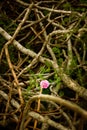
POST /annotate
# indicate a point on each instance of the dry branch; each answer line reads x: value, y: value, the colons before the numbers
x: 14, y: 103
x: 46, y: 120
x: 65, y: 78
x: 58, y: 100
x: 53, y: 29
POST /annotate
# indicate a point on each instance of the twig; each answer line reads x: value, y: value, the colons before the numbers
x: 38, y: 109
x: 14, y: 103
x: 57, y: 11
x: 65, y: 78
x: 58, y: 100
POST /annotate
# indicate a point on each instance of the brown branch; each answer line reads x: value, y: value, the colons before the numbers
x: 59, y: 100
x: 57, y: 11
x: 46, y: 120
x: 13, y: 73
x: 18, y: 28
x: 62, y: 102
x: 65, y: 78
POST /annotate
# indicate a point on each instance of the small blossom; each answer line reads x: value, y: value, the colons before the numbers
x: 44, y: 84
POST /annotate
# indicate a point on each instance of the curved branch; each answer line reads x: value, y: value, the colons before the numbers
x: 47, y: 120
x: 58, y: 100
x: 70, y: 83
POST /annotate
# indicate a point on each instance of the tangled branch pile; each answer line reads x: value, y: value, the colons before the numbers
x: 43, y: 40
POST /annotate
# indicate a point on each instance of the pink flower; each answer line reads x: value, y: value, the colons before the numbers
x: 44, y: 84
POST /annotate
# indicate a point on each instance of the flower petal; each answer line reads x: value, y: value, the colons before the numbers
x: 44, y: 84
